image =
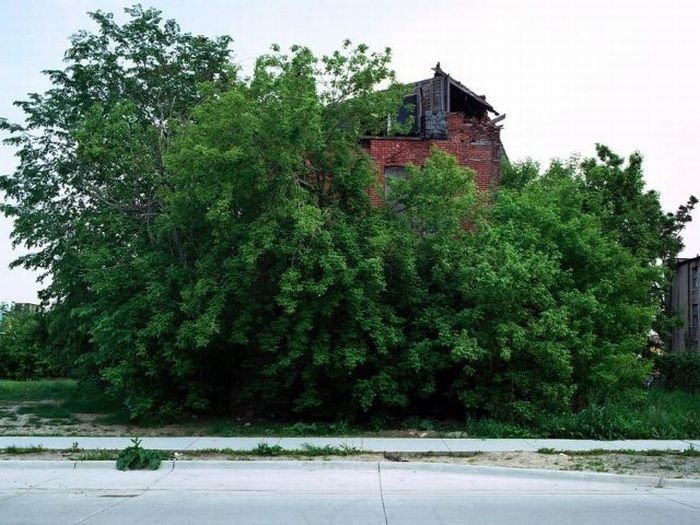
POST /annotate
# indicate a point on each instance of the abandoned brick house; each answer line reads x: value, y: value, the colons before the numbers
x: 447, y: 115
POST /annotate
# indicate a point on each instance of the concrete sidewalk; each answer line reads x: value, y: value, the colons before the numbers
x: 363, y: 444
x: 298, y: 492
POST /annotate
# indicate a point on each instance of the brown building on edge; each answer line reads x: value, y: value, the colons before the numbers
x: 684, y: 301
x: 449, y: 116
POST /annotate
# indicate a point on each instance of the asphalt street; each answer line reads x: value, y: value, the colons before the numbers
x: 291, y: 492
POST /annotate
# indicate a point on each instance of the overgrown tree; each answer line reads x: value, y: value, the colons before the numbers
x: 212, y: 246
x: 23, y: 345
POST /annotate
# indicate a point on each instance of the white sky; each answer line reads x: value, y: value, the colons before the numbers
x: 568, y: 74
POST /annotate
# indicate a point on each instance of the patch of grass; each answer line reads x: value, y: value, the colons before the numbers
x: 96, y: 455
x: 92, y: 402
x: 57, y: 400
x: 38, y: 390
x: 690, y: 452
x: 228, y: 428
x: 16, y: 451
x: 47, y: 411
x: 307, y: 449
x: 263, y: 449
x: 488, y: 428
x: 9, y: 415
x: 662, y: 414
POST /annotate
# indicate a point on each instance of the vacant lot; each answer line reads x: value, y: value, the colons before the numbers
x: 61, y: 407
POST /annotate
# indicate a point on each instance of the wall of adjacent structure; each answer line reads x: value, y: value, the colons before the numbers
x: 683, y: 295
x: 474, y: 143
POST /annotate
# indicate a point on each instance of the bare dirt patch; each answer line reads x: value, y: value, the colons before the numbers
x: 25, y: 419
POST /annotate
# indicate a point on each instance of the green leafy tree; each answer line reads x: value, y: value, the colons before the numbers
x: 212, y: 245
x: 91, y: 169
x: 23, y: 344
x: 615, y: 192
x: 532, y: 310
x: 186, y: 216
x: 286, y: 296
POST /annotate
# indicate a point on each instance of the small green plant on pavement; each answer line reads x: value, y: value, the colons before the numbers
x: 136, y: 457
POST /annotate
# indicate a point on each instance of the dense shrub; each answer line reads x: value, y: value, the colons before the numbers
x: 212, y: 245
x: 680, y: 370
x: 23, y: 341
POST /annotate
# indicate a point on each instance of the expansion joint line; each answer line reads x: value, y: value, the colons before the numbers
x: 381, y: 491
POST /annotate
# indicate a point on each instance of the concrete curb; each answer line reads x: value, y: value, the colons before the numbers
x: 645, y: 481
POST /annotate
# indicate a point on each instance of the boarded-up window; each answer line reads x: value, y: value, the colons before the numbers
x: 438, y: 95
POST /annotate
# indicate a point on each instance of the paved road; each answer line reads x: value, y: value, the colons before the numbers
x: 361, y: 443
x: 272, y: 492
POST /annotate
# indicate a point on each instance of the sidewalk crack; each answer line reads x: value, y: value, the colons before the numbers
x: 191, y: 444
x: 381, y: 491
x: 444, y: 442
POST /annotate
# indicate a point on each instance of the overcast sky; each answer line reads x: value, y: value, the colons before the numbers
x: 568, y: 74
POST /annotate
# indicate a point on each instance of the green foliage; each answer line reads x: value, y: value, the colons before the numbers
x: 660, y: 415
x: 48, y: 411
x: 23, y: 337
x: 37, y: 390
x: 212, y: 246
x: 263, y: 449
x: 680, y: 371
x: 305, y: 450
x: 135, y: 457
x: 95, y: 455
x: 16, y: 451
x: 91, y: 172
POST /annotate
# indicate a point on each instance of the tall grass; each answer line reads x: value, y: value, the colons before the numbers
x: 38, y: 390
x: 66, y: 395
x: 661, y: 414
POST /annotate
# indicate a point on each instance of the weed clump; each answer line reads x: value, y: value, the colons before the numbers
x: 136, y: 457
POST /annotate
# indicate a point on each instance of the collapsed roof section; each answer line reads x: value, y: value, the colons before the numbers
x: 433, y: 98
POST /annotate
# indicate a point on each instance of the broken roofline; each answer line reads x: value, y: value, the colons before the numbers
x: 429, y: 101
x: 479, y: 99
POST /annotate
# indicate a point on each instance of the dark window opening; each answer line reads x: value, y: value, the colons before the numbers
x: 392, y: 173
x: 460, y: 102
x: 408, y: 113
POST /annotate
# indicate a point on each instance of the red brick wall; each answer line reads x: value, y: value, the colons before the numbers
x: 474, y: 143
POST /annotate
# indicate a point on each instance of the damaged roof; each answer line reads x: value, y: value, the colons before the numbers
x: 479, y: 99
